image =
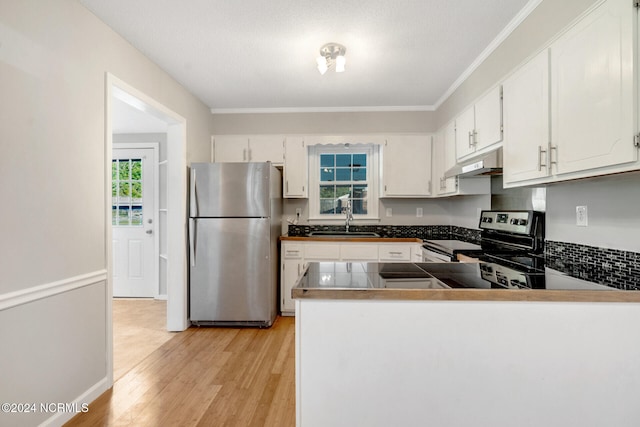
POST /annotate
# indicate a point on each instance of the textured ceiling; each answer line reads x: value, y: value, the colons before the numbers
x: 259, y: 55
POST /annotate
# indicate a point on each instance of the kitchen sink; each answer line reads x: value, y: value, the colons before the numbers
x: 343, y: 234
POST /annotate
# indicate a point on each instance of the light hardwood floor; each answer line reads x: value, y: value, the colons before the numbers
x: 206, y: 377
x: 139, y: 328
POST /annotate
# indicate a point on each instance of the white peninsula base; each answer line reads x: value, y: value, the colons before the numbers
x: 467, y: 363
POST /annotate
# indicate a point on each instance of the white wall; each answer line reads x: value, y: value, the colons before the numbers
x: 54, y: 56
x: 544, y: 22
x: 613, y: 208
x: 324, y: 123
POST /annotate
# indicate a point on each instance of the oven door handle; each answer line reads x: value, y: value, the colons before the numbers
x: 431, y: 256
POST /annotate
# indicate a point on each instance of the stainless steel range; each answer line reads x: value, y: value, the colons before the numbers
x: 511, y: 249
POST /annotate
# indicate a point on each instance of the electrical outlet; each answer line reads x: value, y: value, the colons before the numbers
x: 418, y: 212
x: 581, y: 216
x: 298, y: 212
x: 389, y: 212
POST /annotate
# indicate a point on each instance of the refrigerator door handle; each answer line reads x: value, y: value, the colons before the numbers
x: 192, y: 241
x: 194, y: 194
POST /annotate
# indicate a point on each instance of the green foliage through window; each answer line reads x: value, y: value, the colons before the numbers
x: 126, y: 192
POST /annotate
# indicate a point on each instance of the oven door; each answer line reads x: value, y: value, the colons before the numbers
x: 432, y: 256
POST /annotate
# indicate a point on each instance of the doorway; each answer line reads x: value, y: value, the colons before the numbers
x: 172, y: 206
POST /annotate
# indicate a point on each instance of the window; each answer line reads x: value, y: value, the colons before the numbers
x: 126, y: 192
x: 343, y: 174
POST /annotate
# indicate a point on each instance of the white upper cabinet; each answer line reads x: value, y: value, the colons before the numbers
x: 526, y: 121
x: 253, y: 148
x: 266, y: 148
x: 570, y: 111
x: 230, y: 148
x: 592, y: 90
x: 444, y: 158
x: 296, y: 160
x: 406, y: 166
x: 480, y: 125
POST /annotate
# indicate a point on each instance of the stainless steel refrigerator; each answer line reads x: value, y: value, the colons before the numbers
x: 234, y: 224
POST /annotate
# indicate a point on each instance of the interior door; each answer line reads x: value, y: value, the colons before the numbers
x: 133, y: 221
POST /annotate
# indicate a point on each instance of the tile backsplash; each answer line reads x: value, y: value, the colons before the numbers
x: 611, y: 267
x: 418, y: 231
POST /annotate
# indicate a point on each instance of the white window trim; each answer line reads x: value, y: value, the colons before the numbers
x: 373, y: 165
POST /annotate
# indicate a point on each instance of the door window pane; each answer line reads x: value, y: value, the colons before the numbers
x: 127, y: 192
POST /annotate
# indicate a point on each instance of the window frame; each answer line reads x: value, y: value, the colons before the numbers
x: 372, y: 151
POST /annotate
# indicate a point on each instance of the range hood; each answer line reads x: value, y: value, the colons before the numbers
x: 487, y: 164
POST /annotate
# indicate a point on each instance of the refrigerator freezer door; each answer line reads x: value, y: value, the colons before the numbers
x: 229, y: 190
x: 231, y: 274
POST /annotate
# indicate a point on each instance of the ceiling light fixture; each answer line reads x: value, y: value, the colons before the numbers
x: 331, y: 54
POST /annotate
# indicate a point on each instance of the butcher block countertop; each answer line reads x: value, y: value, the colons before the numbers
x: 350, y: 239
x: 439, y: 282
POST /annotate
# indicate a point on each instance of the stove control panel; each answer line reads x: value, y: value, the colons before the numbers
x: 503, y: 276
x: 510, y: 221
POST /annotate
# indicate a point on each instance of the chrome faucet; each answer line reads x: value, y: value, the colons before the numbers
x: 349, y: 216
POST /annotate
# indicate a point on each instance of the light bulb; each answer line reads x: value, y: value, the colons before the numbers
x: 322, y: 64
x: 340, y: 61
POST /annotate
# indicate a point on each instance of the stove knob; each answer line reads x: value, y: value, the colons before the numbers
x: 489, y: 220
x: 523, y: 222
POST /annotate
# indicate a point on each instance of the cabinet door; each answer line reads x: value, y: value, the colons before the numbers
x: 449, y: 185
x: 291, y: 270
x: 488, y: 119
x: 296, y: 161
x: 231, y: 149
x: 592, y: 97
x: 526, y: 121
x: 266, y: 149
x: 358, y: 252
x: 465, y: 126
x: 406, y: 166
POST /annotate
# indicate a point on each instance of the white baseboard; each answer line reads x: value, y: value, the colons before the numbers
x: 34, y: 293
x: 87, y: 397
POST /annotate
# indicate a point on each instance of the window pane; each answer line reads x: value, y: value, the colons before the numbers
x: 114, y: 189
x: 327, y: 160
x: 125, y: 190
x: 343, y: 174
x: 359, y: 206
x: 359, y: 191
x: 360, y: 174
x: 123, y: 215
x: 136, y: 191
x: 327, y: 192
x: 114, y: 215
x: 343, y: 160
x: 136, y: 215
x: 327, y: 174
x: 343, y: 190
x: 124, y: 169
x: 136, y: 169
x: 360, y: 199
x: 114, y: 170
x: 359, y: 160
x: 329, y: 206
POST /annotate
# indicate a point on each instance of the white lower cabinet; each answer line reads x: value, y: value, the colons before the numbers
x: 395, y: 253
x: 294, y: 257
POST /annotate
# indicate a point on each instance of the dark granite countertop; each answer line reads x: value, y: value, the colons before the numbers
x: 442, y: 281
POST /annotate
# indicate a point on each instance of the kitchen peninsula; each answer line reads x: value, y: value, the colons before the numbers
x: 402, y: 344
